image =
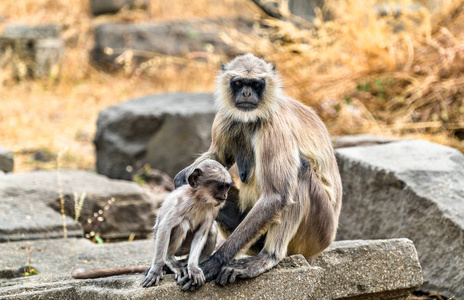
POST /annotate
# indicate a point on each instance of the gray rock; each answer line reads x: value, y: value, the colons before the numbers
x: 397, y: 8
x: 174, y: 38
x: 39, y: 49
x: 347, y: 270
x: 6, y: 160
x: 166, y: 131
x: 31, y: 206
x: 99, y: 7
x: 30, y: 220
x: 412, y: 189
x: 306, y: 8
x: 376, y: 269
x: 37, y: 32
x: 360, y: 140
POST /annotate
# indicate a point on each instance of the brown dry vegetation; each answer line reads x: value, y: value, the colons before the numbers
x: 359, y: 71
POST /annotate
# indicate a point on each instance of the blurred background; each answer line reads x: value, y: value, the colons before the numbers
x: 389, y: 68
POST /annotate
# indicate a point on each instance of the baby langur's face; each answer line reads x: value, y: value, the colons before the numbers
x: 212, y: 180
x: 218, y: 189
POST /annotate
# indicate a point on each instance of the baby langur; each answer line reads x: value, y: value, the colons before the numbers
x: 186, y: 225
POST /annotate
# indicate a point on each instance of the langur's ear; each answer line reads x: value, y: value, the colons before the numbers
x: 223, y: 67
x: 194, y: 178
x: 273, y: 68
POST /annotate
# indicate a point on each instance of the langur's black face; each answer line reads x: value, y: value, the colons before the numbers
x: 247, y: 92
x: 219, y: 189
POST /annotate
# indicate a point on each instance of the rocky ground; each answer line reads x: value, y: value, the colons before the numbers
x: 392, y: 189
x: 381, y: 269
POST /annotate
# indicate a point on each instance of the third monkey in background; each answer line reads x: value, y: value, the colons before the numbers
x: 290, y: 193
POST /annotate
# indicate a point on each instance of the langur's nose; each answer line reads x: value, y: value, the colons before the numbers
x: 246, y: 92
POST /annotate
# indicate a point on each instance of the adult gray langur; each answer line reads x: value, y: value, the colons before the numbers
x: 290, y: 193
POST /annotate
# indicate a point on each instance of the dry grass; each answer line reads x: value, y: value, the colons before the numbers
x: 359, y: 73
x: 364, y: 76
x: 49, y: 115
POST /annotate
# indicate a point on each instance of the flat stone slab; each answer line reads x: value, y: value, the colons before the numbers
x: 30, y: 206
x: 6, y: 160
x: 382, y: 269
x: 412, y: 189
x: 31, y: 220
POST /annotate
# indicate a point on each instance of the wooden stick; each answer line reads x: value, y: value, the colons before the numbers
x: 81, y: 273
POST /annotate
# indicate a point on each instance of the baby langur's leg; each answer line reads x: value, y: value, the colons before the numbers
x: 209, y: 247
x: 203, y: 237
x: 178, y: 268
x: 176, y: 241
x: 155, y: 273
x: 210, y: 244
x: 167, y: 241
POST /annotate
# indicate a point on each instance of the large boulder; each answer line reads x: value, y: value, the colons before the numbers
x: 33, y: 51
x: 6, y: 160
x: 166, y: 131
x: 30, y: 206
x: 386, y: 269
x: 170, y: 38
x: 412, y: 189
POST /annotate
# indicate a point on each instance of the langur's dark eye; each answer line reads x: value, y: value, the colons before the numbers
x: 256, y: 84
x: 238, y: 83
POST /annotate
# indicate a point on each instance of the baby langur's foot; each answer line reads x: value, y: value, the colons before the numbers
x: 153, y: 276
x: 180, y: 271
x: 194, y: 280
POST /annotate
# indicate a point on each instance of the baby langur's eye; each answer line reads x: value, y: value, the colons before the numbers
x: 223, y: 185
x: 238, y: 83
x: 256, y: 84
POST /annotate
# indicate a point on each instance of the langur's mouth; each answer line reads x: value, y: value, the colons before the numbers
x: 246, y: 106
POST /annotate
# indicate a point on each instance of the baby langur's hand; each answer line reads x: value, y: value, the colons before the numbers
x: 194, y: 280
x: 153, y: 276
